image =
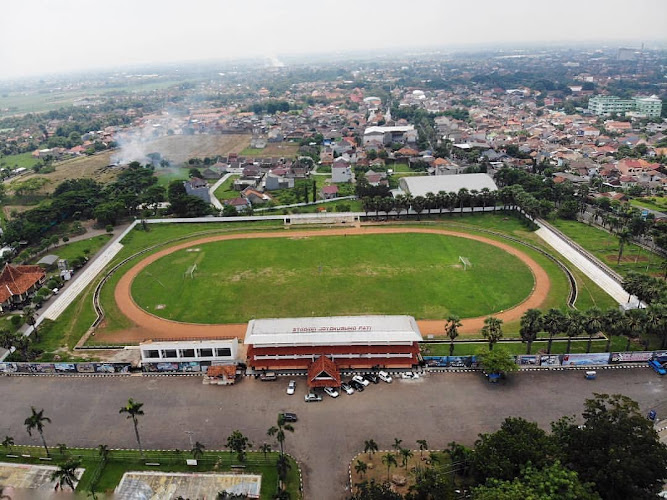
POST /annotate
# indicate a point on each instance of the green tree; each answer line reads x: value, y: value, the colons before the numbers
x: 617, y: 448
x: 553, y: 482
x: 134, y: 411
x: 370, y: 490
x: 623, y: 237
x: 531, y: 325
x: 8, y: 442
x: 198, y: 450
x: 397, y: 444
x: 406, y: 454
x: 452, y: 330
x: 502, y: 454
x: 103, y: 451
x: 389, y: 459
x: 492, y: 330
x: 370, y: 447
x: 238, y: 443
x: 279, y: 431
x: 265, y: 448
x: 36, y: 421
x: 498, y: 361
x: 65, y: 475
x: 360, y: 467
x: 423, y: 445
x: 576, y: 325
x: 62, y: 449
x: 594, y: 322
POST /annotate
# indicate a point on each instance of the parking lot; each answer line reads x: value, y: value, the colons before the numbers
x: 440, y: 408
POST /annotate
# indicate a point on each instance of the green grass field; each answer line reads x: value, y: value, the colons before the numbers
x: 605, y: 247
x: 226, y: 190
x: 657, y: 203
x: 23, y: 160
x: 122, y: 461
x: 415, y: 274
x: 166, y: 175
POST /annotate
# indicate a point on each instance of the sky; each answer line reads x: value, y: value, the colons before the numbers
x: 45, y: 36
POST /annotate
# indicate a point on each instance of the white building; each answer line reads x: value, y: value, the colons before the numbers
x: 421, y: 185
x: 650, y: 107
x: 204, y: 351
x: 386, y: 135
x: 341, y: 172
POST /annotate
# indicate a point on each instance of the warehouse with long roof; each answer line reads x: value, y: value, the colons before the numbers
x: 346, y: 341
x: 420, y: 185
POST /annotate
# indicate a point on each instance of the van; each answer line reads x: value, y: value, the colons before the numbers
x: 268, y: 376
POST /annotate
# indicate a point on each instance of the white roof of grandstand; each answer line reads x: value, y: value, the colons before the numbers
x: 336, y: 330
x: 420, y: 185
x: 382, y: 129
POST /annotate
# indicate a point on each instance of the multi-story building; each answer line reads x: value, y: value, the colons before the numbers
x: 650, y: 107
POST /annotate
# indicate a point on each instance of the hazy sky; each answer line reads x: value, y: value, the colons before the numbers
x: 41, y: 36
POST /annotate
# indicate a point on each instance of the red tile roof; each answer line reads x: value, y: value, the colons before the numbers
x: 323, y: 373
x: 17, y: 280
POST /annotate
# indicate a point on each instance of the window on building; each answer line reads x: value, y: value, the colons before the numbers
x: 223, y: 351
x: 187, y: 353
x: 152, y: 353
x: 206, y: 353
x: 170, y: 353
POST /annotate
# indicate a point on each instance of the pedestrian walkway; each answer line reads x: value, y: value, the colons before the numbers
x: 597, y: 275
x: 211, y: 191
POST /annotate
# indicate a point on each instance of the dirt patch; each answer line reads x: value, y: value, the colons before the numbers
x: 613, y: 258
x: 150, y: 326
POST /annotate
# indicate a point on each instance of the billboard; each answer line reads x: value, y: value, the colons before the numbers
x: 64, y: 368
x: 451, y: 361
x: 550, y: 360
x: 528, y: 360
x: 630, y: 357
x: 590, y: 359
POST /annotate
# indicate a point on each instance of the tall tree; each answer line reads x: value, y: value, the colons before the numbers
x: 423, y: 445
x: 65, y: 475
x: 238, y: 443
x: 198, y: 450
x: 279, y: 431
x: 531, y: 324
x: 370, y: 447
x: 406, y: 454
x: 360, y: 467
x: 594, y: 323
x: 36, y: 421
x: 624, y: 237
x: 389, y: 459
x: 134, y: 411
x: 265, y: 448
x: 452, y: 330
x: 492, y: 330
x: 576, y: 325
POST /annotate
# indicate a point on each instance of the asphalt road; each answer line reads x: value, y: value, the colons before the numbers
x: 439, y: 408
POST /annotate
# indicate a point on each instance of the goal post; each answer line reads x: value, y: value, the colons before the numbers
x: 190, y: 271
x: 466, y: 262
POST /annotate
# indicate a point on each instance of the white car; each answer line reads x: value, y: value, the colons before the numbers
x: 361, y: 380
x: 291, y: 387
x: 385, y: 376
x: 409, y: 375
x: 331, y: 392
x: 345, y: 387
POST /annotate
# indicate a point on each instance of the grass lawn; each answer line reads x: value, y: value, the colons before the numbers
x: 226, y: 191
x: 415, y: 274
x: 78, y: 248
x: 657, y: 203
x: 23, y: 160
x: 401, y: 167
x: 166, y: 175
x: 558, y: 347
x: 605, y: 247
x: 122, y: 461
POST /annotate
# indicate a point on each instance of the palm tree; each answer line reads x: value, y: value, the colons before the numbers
x: 8, y: 442
x: 103, y: 451
x: 635, y: 320
x: 554, y: 322
x: 613, y: 321
x: 492, y: 330
x: 282, y: 466
x: 623, y: 238
x: 36, y: 421
x: 423, y: 445
x: 279, y: 431
x: 66, y: 474
x: 531, y: 324
x: 656, y: 317
x: 360, y: 467
x: 452, y: 330
x: 406, y: 455
x: 594, y: 323
x: 370, y: 447
x: 389, y: 459
x: 62, y: 449
x: 265, y: 448
x: 197, y: 450
x: 418, y: 205
x: 463, y: 196
x: 397, y: 444
x: 576, y: 325
x: 133, y: 410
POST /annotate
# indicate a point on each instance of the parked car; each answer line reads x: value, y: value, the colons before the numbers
x: 371, y: 377
x: 357, y: 386
x: 361, y: 380
x: 268, y: 376
x: 331, y: 392
x: 289, y: 417
x: 291, y: 387
x: 347, y: 388
x: 655, y: 364
x: 311, y: 397
x: 409, y: 375
x: 385, y: 377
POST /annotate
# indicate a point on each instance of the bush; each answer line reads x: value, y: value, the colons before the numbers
x: 16, y: 321
x: 109, y: 228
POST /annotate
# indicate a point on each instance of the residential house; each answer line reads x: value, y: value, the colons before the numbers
x: 276, y: 179
x: 240, y: 204
x: 376, y: 178
x: 199, y: 188
x: 328, y: 192
x: 341, y: 172
x: 17, y: 283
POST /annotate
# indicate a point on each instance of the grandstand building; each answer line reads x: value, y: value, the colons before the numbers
x: 345, y: 341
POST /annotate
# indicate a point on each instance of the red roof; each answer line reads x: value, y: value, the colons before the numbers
x: 330, y: 189
x: 17, y: 280
x: 323, y: 373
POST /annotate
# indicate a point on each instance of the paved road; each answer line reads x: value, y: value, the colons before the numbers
x: 439, y: 408
x: 211, y: 191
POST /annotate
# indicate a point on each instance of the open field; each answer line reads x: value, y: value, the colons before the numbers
x: 281, y: 149
x: 605, y: 247
x: 23, y: 160
x: 657, y: 203
x: 180, y: 148
x: 88, y: 167
x: 166, y: 175
x: 415, y: 274
x: 226, y: 190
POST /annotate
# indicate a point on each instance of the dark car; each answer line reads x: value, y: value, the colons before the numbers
x: 356, y: 386
x: 289, y: 417
x: 372, y: 377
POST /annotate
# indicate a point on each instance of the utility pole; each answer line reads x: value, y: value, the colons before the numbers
x: 189, y: 433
